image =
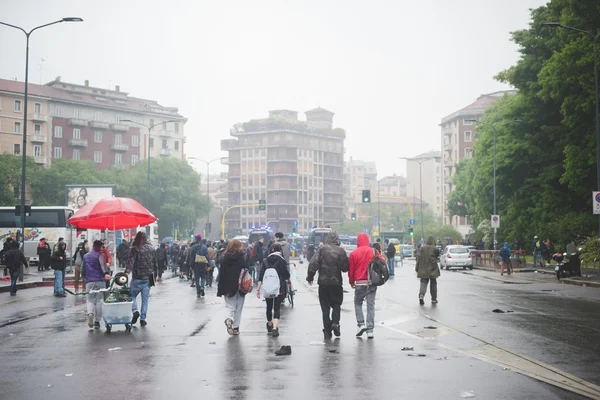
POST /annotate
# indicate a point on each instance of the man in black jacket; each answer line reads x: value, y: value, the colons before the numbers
x: 330, y: 260
x: 391, y: 256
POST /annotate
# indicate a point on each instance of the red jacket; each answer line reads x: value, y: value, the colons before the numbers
x: 360, y: 260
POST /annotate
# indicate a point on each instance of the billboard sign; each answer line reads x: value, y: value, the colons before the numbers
x: 78, y: 196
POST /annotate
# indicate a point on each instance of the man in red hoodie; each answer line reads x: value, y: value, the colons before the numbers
x: 360, y: 259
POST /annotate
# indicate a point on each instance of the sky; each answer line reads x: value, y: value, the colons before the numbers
x: 389, y: 69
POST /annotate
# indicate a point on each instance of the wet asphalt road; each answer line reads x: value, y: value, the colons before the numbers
x: 174, y: 356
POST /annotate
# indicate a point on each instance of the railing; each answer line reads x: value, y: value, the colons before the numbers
x: 119, y: 147
x: 40, y: 160
x: 77, y: 122
x: 490, y: 259
x: 165, y: 133
x: 78, y: 142
x: 37, y: 117
x: 39, y: 139
x: 119, y: 127
x: 99, y: 124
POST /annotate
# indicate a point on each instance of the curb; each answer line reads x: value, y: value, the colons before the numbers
x: 577, y: 282
x: 515, y: 270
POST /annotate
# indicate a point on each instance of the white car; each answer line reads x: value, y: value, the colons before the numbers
x: 456, y: 257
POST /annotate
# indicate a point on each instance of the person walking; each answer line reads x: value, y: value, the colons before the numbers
x: 44, y: 253
x: 391, y: 256
x: 198, y: 261
x: 183, y: 254
x: 58, y: 262
x: 122, y: 253
x: 274, y: 261
x: 94, y: 273
x: 428, y: 270
x: 13, y: 260
x: 285, y: 246
x: 504, y: 255
x: 231, y: 266
x: 258, y: 257
x: 358, y: 275
x: 537, y: 252
x: 82, y: 249
x: 329, y: 261
x: 141, y: 263
x: 212, y: 265
x: 161, y: 261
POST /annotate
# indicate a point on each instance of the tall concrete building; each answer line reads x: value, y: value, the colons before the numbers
x: 358, y: 176
x: 458, y: 135
x: 296, y: 166
x: 430, y: 174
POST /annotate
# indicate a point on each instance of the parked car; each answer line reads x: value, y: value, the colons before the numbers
x: 407, y: 250
x: 456, y: 256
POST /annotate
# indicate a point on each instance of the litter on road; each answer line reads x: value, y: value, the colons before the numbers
x: 407, y: 349
x: 115, y: 349
x: 417, y: 355
x: 467, y: 394
x: 317, y: 343
x: 499, y: 311
x: 430, y: 327
x: 212, y: 342
x: 68, y: 374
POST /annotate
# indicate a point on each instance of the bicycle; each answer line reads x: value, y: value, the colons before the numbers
x: 290, y: 290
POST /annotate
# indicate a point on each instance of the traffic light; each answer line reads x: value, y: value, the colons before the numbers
x: 293, y: 231
x: 411, y: 231
x: 353, y: 216
x: 262, y: 205
x: 366, y: 196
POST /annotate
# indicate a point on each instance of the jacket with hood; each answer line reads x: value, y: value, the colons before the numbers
x: 276, y: 260
x: 285, y: 249
x: 330, y: 260
x: 229, y: 275
x: 427, y: 262
x: 58, y: 261
x: 258, y: 251
x: 360, y: 258
x: 504, y: 252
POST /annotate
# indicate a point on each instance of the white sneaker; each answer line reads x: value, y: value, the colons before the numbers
x: 90, y: 320
x: 370, y: 335
x: 361, y: 329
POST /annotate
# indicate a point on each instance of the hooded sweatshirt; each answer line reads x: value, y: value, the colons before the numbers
x: 276, y: 260
x: 330, y: 260
x: 360, y: 259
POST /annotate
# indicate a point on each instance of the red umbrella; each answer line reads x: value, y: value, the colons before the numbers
x: 113, y: 214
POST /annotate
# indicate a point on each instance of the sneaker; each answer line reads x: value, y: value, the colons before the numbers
x: 13, y: 294
x: 269, y: 327
x: 96, y: 325
x: 370, y: 335
x: 327, y: 334
x: 236, y: 331
x: 284, y: 351
x: 434, y: 301
x: 336, y: 329
x: 229, y: 325
x: 143, y: 322
x: 193, y: 284
x: 361, y: 329
x: 421, y: 301
x: 202, y: 293
x: 90, y: 320
x: 136, y: 316
x: 275, y: 332
x: 61, y: 295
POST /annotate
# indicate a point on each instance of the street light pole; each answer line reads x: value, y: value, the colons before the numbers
x: 596, y: 91
x: 25, y: 101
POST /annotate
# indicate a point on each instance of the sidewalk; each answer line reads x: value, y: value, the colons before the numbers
x: 586, y: 281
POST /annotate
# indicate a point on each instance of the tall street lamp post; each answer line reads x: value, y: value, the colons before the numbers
x: 421, y: 161
x: 149, y: 127
x: 207, y: 179
x: 25, y: 95
x: 595, y: 40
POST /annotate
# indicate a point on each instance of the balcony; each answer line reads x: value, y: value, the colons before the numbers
x: 77, y: 122
x: 78, y: 142
x: 99, y: 124
x: 119, y: 147
x: 166, y: 152
x: 37, y: 117
x: 119, y: 127
x: 447, y: 146
x: 119, y: 165
x: 229, y: 144
x: 165, y: 133
x: 38, y: 139
x: 40, y: 160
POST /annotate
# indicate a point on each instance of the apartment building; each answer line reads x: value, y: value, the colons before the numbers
x: 296, y: 166
x: 458, y: 134
x: 429, y: 173
x: 358, y: 176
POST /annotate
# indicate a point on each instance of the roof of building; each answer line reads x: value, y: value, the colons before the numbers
x: 478, y: 106
x: 319, y: 110
x: 430, y: 154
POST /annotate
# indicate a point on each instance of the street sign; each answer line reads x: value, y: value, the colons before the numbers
x: 596, y: 202
x: 495, y: 222
x: 413, y: 222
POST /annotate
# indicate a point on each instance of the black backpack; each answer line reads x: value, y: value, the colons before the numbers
x: 378, y: 271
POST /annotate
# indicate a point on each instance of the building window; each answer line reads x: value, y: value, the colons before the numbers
x: 37, y: 108
x: 134, y: 159
x: 17, y: 127
x: 151, y: 143
x: 17, y: 106
x: 118, y: 138
x: 76, y: 113
x: 97, y: 115
x: 118, y: 158
x: 467, y: 122
x: 76, y: 134
x: 176, y: 145
x: 17, y: 149
x: 164, y: 144
x: 98, y: 136
x: 37, y: 150
x: 177, y: 127
x: 76, y: 154
x: 468, y: 153
x: 58, y: 152
x: 37, y: 129
x: 58, y: 132
x: 57, y: 111
x: 97, y: 156
x: 135, y: 141
x: 468, y: 136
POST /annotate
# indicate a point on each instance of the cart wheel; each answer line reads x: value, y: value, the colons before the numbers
x: 108, y: 328
x: 128, y: 327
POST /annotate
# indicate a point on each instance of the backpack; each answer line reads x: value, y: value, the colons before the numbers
x: 503, y: 253
x: 270, y: 283
x: 245, y: 282
x: 378, y: 273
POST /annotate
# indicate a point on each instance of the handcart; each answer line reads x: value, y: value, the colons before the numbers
x: 116, y: 307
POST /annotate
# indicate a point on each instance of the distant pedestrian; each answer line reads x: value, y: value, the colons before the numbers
x: 58, y: 261
x: 44, y: 253
x: 548, y: 251
x: 428, y: 270
x: 258, y: 256
x: 276, y: 262
x: 285, y: 246
x: 55, y: 247
x: 391, y: 256
x: 310, y: 252
x: 198, y: 261
x: 537, y: 252
x: 212, y: 264
x: 232, y: 264
x: 358, y: 275
x: 329, y: 261
x: 122, y: 253
x: 504, y: 255
x: 161, y: 260
x: 141, y: 263
x: 13, y: 260
x: 95, y: 275
x: 82, y: 249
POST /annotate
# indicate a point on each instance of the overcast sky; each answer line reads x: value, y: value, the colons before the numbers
x: 390, y: 70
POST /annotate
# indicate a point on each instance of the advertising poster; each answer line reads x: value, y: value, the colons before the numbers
x: 80, y: 195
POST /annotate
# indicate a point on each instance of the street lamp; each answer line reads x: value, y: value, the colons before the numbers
x: 25, y: 95
x: 149, y: 127
x: 493, y: 126
x: 595, y: 39
x: 207, y: 179
x: 421, y: 160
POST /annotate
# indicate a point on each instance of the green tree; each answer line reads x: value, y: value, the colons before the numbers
x: 10, y: 170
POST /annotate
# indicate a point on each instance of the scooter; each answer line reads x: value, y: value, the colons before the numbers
x: 571, y: 267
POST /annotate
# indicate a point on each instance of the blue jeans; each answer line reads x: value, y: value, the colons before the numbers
x: 391, y: 265
x: 537, y: 258
x: 14, y: 276
x: 200, y: 280
x: 137, y: 286
x: 59, y: 282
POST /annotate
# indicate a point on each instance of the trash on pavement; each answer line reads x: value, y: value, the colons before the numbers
x: 499, y: 311
x: 467, y: 394
x: 442, y: 359
x: 212, y: 342
x: 317, y: 343
x: 115, y: 349
x: 417, y: 355
x: 407, y: 349
x: 69, y: 374
x: 332, y: 350
x: 49, y: 385
x: 430, y: 327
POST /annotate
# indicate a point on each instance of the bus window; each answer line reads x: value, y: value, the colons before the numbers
x: 8, y: 218
x: 45, y: 218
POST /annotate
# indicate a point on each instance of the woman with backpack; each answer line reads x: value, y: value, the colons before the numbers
x: 228, y: 286
x: 273, y: 278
